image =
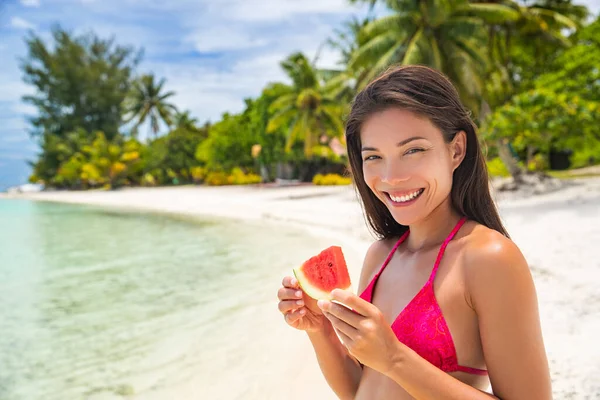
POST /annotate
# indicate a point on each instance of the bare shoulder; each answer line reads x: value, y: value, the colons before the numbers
x: 374, y: 258
x: 490, y: 258
x: 502, y: 293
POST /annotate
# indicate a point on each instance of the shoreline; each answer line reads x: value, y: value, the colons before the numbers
x: 556, y: 231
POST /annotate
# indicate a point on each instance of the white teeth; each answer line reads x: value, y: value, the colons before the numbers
x: 403, y: 199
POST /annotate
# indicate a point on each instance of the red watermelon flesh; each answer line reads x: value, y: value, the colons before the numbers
x: 320, y: 274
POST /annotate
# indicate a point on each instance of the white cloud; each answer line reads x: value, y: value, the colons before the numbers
x: 221, y: 38
x: 20, y: 23
x: 30, y: 3
x: 262, y: 10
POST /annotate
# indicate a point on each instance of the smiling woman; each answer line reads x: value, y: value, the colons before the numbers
x: 446, y: 304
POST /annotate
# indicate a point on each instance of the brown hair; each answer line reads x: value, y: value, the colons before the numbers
x: 428, y: 93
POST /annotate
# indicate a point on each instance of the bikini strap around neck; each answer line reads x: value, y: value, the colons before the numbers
x: 458, y: 225
x: 389, y: 257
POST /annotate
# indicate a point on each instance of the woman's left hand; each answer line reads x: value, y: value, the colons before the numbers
x: 363, y: 330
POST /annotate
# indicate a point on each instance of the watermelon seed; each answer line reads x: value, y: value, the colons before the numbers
x: 330, y: 264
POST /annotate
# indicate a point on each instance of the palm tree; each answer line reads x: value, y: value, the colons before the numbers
x: 449, y: 35
x: 343, y: 82
x: 148, y: 99
x: 537, y: 32
x: 437, y: 33
x: 185, y: 120
x: 303, y: 108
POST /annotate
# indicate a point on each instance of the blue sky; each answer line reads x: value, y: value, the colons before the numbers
x: 212, y: 53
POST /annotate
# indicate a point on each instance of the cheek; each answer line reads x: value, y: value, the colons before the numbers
x: 443, y: 177
x: 369, y: 175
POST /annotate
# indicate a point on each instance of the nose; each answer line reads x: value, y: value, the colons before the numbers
x: 394, y: 174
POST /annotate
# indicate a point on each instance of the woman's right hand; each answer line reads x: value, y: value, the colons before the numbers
x: 299, y: 310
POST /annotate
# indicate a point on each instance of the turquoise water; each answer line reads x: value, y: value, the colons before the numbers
x: 105, y: 302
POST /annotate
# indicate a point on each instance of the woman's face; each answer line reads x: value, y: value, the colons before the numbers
x: 407, y: 164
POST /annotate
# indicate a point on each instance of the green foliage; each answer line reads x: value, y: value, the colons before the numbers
x: 576, y: 70
x: 305, y: 109
x: 445, y: 35
x: 528, y: 71
x: 586, y: 154
x: 88, y: 163
x: 545, y: 120
x: 331, y: 179
x: 80, y: 82
x: 147, y: 100
x: 236, y: 177
x: 497, y: 168
x: 239, y: 177
x: 229, y: 144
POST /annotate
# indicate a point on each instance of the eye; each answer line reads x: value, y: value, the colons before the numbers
x: 370, y: 158
x: 414, y: 150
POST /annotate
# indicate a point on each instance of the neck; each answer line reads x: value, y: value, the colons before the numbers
x: 434, y: 229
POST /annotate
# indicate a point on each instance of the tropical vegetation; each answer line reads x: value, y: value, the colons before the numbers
x: 528, y: 71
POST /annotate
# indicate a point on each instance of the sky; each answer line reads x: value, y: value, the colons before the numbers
x: 213, y: 54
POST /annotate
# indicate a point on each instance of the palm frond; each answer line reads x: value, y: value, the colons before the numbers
x: 411, y: 55
x: 394, y: 23
x: 280, y: 119
x: 560, y: 19
x: 373, y: 50
x: 283, y: 102
x: 491, y: 13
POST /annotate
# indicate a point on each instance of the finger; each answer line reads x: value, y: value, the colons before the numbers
x: 348, y: 316
x: 293, y: 316
x: 289, y: 294
x: 290, y: 282
x: 289, y: 305
x: 345, y: 339
x: 341, y: 326
x: 351, y: 300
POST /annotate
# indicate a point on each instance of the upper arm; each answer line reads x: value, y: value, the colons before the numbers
x: 373, y: 259
x: 503, y: 294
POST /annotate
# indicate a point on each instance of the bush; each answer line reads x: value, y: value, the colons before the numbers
x: 586, y: 156
x: 238, y: 177
x: 198, y: 174
x: 216, y: 178
x: 148, y: 180
x: 497, y: 168
x: 537, y: 163
x: 331, y: 179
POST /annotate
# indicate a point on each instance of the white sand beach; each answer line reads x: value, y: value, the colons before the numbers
x: 558, y: 232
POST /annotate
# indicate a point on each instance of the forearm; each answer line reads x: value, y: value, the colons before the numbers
x: 424, y: 381
x: 341, y: 371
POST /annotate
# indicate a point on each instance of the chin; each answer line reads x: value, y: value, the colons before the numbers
x: 407, y: 217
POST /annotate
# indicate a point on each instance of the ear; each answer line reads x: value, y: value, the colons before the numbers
x: 458, y: 149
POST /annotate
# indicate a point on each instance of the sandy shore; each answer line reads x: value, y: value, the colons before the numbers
x: 558, y: 232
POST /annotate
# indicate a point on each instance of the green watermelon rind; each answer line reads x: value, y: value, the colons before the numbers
x: 309, y: 289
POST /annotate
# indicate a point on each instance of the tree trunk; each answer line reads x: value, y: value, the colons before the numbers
x: 503, y: 150
x: 509, y: 161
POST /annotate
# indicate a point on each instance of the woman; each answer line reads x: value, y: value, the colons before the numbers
x: 447, y: 304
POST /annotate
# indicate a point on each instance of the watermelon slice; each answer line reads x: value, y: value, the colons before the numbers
x: 320, y: 274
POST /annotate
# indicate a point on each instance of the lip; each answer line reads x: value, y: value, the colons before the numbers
x: 404, y: 193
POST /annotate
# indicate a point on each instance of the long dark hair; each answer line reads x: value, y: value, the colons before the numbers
x: 428, y: 93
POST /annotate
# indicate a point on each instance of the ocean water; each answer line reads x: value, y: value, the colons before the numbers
x: 98, y: 304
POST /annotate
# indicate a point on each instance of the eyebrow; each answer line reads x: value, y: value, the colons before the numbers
x: 399, y: 144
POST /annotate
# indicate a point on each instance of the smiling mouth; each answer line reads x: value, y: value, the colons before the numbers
x: 405, y: 198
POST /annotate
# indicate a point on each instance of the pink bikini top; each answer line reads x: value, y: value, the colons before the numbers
x: 421, y: 325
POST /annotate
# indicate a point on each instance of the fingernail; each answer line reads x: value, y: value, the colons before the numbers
x: 302, y: 312
x: 320, y: 303
x: 300, y: 302
x: 294, y: 281
x: 298, y: 293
